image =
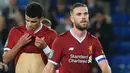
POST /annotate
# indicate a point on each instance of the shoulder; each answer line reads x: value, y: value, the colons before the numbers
x: 63, y: 35
x: 47, y: 30
x: 22, y: 26
x: 52, y: 30
x: 15, y: 28
x: 90, y: 36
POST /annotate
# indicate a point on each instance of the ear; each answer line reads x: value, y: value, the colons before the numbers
x: 41, y: 19
x: 71, y: 18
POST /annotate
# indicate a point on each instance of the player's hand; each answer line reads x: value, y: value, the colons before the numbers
x: 40, y: 43
x: 3, y: 67
x: 24, y: 39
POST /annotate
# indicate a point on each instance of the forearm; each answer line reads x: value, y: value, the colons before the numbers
x: 49, y: 68
x: 107, y: 70
x: 9, y: 55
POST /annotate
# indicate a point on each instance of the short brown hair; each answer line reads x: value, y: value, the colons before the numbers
x: 76, y: 5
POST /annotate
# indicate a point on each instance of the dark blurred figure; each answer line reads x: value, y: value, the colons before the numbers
x: 67, y: 25
x: 19, y: 17
x: 3, y: 67
x: 2, y: 28
x: 9, y: 14
x: 102, y: 28
x: 93, y: 8
x: 57, y: 13
x: 47, y: 22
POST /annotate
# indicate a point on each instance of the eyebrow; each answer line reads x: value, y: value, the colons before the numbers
x: 31, y: 20
x: 81, y: 13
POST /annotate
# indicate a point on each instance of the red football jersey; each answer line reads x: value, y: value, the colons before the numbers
x: 75, y: 56
x: 17, y: 32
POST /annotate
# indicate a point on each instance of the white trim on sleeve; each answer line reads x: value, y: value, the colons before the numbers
x: 53, y: 62
x: 47, y: 50
x: 100, y: 58
x: 7, y: 49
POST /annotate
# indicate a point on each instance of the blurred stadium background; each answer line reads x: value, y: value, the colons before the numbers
x: 109, y: 21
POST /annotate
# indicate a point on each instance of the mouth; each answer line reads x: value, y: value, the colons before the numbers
x: 83, y: 22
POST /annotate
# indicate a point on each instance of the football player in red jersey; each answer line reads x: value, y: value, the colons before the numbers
x: 75, y: 50
x: 29, y: 43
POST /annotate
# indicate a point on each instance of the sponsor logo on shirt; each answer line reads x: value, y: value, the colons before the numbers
x: 51, y: 53
x: 71, y: 48
x: 80, y: 58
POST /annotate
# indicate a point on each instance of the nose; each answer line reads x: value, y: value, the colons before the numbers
x: 29, y: 24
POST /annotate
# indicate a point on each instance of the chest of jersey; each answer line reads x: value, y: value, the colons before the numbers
x: 31, y: 48
x: 76, y: 52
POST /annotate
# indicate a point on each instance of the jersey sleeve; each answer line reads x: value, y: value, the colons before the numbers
x: 99, y: 54
x: 10, y: 40
x: 53, y: 37
x: 56, y: 52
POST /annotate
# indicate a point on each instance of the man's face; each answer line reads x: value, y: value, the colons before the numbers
x: 32, y: 23
x: 80, y: 18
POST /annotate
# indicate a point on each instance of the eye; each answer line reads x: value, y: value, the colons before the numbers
x: 85, y: 13
x: 78, y: 14
x: 33, y: 21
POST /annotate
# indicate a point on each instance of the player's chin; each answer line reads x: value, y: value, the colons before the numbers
x: 84, y: 25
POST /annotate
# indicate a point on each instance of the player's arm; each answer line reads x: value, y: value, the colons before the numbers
x: 104, y: 66
x: 10, y: 54
x: 101, y: 58
x: 49, y: 68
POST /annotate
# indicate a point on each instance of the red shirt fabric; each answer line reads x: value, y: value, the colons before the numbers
x: 73, y: 56
x: 17, y: 32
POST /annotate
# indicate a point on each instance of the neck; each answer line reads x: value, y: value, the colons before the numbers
x: 78, y: 32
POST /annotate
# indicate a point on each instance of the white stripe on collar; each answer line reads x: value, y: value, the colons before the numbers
x: 80, y: 40
x: 39, y: 28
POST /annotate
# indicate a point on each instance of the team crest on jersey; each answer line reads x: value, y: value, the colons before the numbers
x: 90, y: 49
x: 51, y: 53
x: 71, y: 48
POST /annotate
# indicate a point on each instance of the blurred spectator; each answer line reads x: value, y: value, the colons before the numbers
x: 57, y: 14
x: 2, y: 29
x: 22, y: 3
x: 9, y: 14
x: 67, y: 25
x: 102, y: 29
x: 93, y: 8
x: 47, y: 22
x: 19, y: 16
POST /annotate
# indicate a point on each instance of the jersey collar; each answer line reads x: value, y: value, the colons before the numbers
x: 79, y: 39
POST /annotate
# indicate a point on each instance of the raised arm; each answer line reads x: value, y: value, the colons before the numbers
x: 10, y: 54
